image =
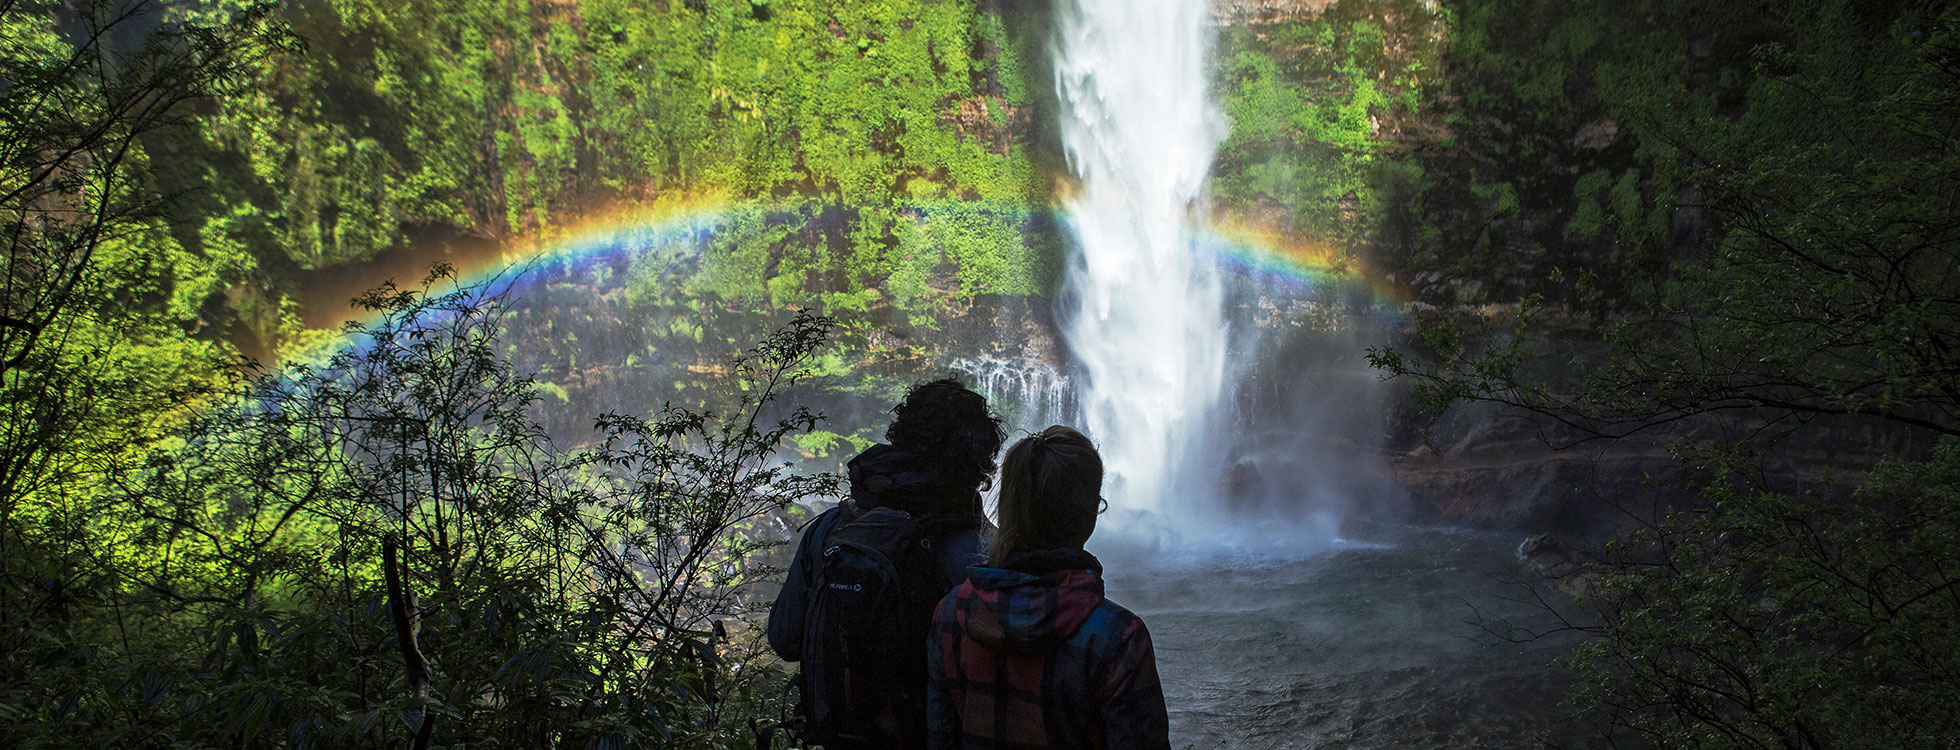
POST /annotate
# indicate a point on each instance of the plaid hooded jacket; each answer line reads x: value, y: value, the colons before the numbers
x: 1033, y: 656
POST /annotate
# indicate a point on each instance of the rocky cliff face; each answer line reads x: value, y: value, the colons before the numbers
x: 1485, y: 467
x: 1488, y: 467
x: 1266, y: 11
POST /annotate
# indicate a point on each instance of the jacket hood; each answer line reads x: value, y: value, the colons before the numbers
x: 1035, y: 601
x: 887, y: 477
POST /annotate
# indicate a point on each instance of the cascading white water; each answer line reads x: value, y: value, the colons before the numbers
x: 1142, y: 315
x: 1040, y: 391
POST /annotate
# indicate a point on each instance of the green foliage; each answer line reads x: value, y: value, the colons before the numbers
x: 1823, y: 291
x: 737, y: 265
x: 916, y: 258
x: 1777, y: 621
x: 1263, y: 105
x: 386, y: 549
x: 513, y: 119
x: 1590, y: 219
x: 1007, y: 62
x: 1546, y: 97
x: 1627, y: 203
x: 1822, y: 296
x: 987, y: 243
x: 822, y: 443
x: 1310, y: 100
x: 95, y: 366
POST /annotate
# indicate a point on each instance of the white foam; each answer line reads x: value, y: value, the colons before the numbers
x: 1143, y: 312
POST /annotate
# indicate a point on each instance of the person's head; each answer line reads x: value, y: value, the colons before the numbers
x: 1050, y: 493
x: 949, y: 424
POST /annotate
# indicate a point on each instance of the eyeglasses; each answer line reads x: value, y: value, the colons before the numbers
x: 1103, y: 507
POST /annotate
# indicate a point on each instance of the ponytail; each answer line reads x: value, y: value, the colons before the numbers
x: 1050, y: 490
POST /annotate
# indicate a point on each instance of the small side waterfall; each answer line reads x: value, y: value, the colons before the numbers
x: 1032, y: 393
x: 1140, y: 314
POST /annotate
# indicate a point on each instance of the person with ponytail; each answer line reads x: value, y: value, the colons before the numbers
x: 1027, y: 652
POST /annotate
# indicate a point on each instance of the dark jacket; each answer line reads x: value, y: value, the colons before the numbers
x: 1033, y: 656
x: 881, y: 477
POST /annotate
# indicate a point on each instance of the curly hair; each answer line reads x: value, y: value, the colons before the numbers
x: 950, y: 424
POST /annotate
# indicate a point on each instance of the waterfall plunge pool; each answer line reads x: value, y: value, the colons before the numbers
x: 1372, y: 642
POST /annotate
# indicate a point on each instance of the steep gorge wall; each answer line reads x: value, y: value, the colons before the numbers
x: 1470, y: 155
x: 1435, y: 157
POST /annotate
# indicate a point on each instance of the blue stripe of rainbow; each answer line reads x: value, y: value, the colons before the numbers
x: 1294, y: 265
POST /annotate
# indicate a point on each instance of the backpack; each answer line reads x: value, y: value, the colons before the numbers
x: 864, y: 632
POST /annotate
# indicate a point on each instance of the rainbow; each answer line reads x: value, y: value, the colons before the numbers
x: 619, y: 234
x: 1237, y: 245
x: 1299, y: 265
x: 1286, y: 263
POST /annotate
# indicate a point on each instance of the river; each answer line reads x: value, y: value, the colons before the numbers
x: 1368, y: 643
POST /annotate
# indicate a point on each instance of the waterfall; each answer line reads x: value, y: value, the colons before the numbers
x: 1030, y: 392
x: 1141, y: 314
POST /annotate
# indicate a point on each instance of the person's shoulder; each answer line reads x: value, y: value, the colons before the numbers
x: 1117, y: 621
x: 825, y: 522
x: 950, y: 602
x: 1110, y: 634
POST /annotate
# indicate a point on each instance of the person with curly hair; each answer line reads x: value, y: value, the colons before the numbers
x: 857, y: 596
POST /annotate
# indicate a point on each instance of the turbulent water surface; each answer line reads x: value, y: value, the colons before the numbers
x: 1361, y: 645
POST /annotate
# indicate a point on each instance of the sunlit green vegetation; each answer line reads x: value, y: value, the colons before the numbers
x: 386, y: 548
x: 1743, y: 209
x: 380, y: 548
x: 1314, y: 104
x: 512, y: 119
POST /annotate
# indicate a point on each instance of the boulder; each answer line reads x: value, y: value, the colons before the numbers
x: 1561, y: 558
